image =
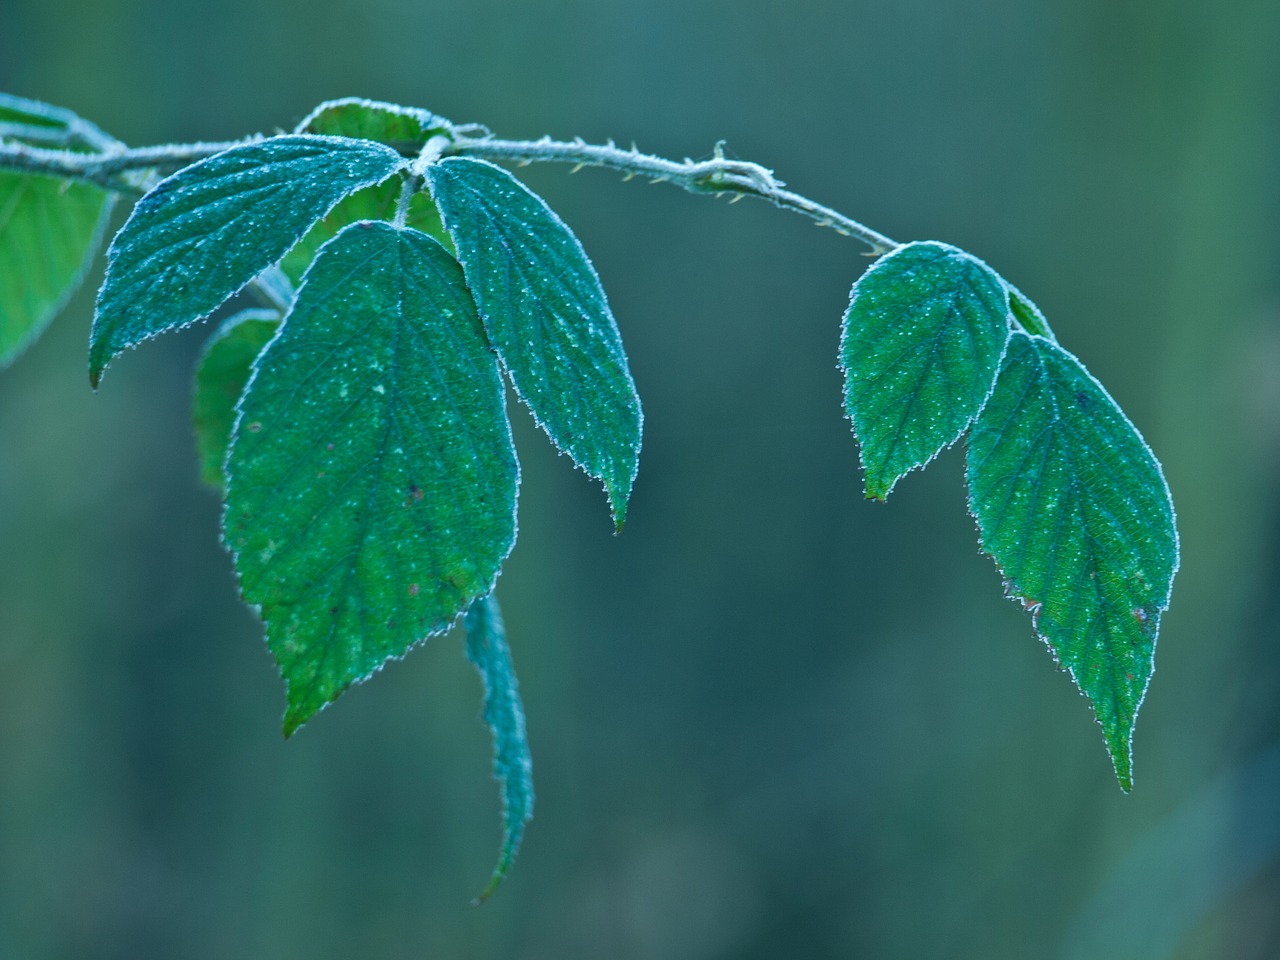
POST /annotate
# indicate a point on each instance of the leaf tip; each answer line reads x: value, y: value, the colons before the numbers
x: 294, y: 719
x: 619, y: 498
x: 1120, y: 747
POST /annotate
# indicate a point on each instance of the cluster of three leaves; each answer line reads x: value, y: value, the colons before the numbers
x: 371, y: 482
x: 1069, y: 500
x: 372, y: 479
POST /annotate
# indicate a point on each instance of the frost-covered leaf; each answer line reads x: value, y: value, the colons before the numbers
x: 546, y: 313
x: 405, y: 129
x: 371, y: 479
x: 221, y: 376
x: 1074, y: 508
x: 920, y: 346
x: 49, y: 231
x: 203, y: 233
x: 504, y: 714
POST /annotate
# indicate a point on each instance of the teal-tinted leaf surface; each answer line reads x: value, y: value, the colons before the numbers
x: 1074, y: 509
x: 921, y: 342
x: 405, y: 129
x: 371, y: 480
x: 504, y: 715
x: 546, y: 313
x: 203, y: 233
x: 221, y: 376
x: 49, y: 231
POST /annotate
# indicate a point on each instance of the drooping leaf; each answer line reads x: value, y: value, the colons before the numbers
x: 203, y: 233
x: 50, y: 230
x: 404, y: 129
x: 504, y: 714
x: 1074, y: 508
x: 372, y: 479
x: 223, y: 371
x: 921, y: 342
x: 546, y: 313
x: 372, y: 203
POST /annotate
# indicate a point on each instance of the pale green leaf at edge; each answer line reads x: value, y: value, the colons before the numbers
x: 372, y: 478
x: 1073, y: 507
x: 1027, y: 314
x: 221, y: 376
x: 372, y: 203
x: 50, y: 230
x: 920, y: 345
x: 546, y: 313
x: 200, y: 235
x: 404, y: 129
x: 33, y: 121
x: 504, y: 715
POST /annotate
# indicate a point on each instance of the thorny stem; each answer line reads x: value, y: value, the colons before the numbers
x: 111, y: 167
x: 718, y: 175
x: 115, y: 168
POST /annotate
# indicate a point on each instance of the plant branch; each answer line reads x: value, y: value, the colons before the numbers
x: 718, y: 175
x: 112, y: 168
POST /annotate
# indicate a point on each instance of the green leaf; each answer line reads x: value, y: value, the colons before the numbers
x: 371, y: 480
x: 31, y: 121
x: 404, y: 129
x: 1027, y: 314
x: 920, y: 346
x: 372, y: 203
x: 504, y: 715
x: 49, y: 231
x: 203, y: 233
x: 1074, y: 508
x: 223, y: 371
x: 546, y: 313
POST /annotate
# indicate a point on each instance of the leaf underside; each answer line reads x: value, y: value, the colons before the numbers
x: 1074, y: 509
x: 920, y: 346
x: 372, y: 479
x: 377, y: 202
x: 49, y: 231
x: 404, y: 129
x: 504, y: 715
x: 200, y: 235
x: 545, y: 312
x: 223, y: 371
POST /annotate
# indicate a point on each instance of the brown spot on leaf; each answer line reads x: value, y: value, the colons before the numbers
x: 255, y: 426
x: 413, y: 589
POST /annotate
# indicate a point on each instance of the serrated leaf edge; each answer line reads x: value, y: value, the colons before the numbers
x: 618, y: 507
x: 95, y: 376
x: 256, y: 608
x: 964, y: 429
x: 1033, y: 609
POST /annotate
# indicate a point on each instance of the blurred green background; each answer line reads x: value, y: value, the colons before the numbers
x: 770, y: 719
